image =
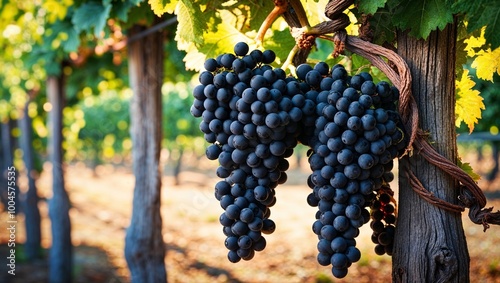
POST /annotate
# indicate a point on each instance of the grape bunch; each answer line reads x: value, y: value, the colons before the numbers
x: 253, y: 116
x: 250, y: 114
x: 355, y: 139
x: 383, y: 220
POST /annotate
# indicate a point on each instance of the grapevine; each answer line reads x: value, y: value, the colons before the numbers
x: 254, y: 115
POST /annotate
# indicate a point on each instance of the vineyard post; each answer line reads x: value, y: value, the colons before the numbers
x: 60, y: 255
x: 430, y: 245
x: 31, y: 199
x: 144, y: 246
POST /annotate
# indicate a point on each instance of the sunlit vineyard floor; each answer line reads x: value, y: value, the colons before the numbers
x: 101, y: 207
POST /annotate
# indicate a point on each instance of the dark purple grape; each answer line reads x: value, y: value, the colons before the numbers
x: 313, y: 78
x: 349, y: 137
x: 241, y: 49
x: 357, y: 81
x: 227, y: 60
x: 206, y: 78
x: 268, y: 56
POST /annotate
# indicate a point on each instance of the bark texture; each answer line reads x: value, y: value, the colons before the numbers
x: 430, y: 244
x: 30, y: 198
x: 144, y: 246
x: 60, y: 255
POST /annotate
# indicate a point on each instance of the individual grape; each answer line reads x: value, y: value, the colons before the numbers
x: 339, y: 73
x: 268, y: 56
x: 322, y: 68
x: 302, y: 70
x: 342, y: 104
x: 258, y: 82
x: 339, y: 245
x: 324, y: 259
x: 353, y: 211
x: 384, y: 89
x: 339, y: 272
x: 368, y: 87
x: 326, y: 84
x: 241, y: 49
x: 313, y: 78
x: 356, y: 109
x: 206, y: 78
x: 369, y: 122
x: 339, y: 261
x: 349, y: 137
x: 351, y: 94
x: 213, y: 152
x: 341, y: 118
x: 353, y: 254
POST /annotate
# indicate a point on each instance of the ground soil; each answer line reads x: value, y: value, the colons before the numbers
x: 100, y: 213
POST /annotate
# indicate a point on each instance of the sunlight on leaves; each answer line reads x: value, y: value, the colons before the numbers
x: 161, y: 7
x: 469, y: 103
x: 487, y: 63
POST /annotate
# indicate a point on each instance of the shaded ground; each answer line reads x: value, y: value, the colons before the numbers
x: 194, y: 240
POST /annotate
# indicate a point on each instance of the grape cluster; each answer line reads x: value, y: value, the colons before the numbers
x: 353, y: 144
x: 250, y: 114
x: 253, y: 116
x: 383, y: 220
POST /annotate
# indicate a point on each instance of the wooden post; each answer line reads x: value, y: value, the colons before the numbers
x: 60, y: 255
x: 144, y: 246
x: 430, y: 244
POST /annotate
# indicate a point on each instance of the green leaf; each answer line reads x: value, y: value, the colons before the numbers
x: 259, y: 12
x: 421, y: 17
x: 120, y: 9
x: 370, y: 6
x: 383, y: 30
x: 191, y: 22
x: 469, y: 170
x: 222, y: 41
x: 91, y: 15
x: 281, y: 42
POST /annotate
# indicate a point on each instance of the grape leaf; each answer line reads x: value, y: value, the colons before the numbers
x: 487, y: 63
x: 383, y: 30
x: 214, y: 42
x: 258, y: 13
x: 72, y: 40
x: 161, y: 7
x: 222, y: 41
x: 468, y: 169
x: 469, y: 103
x: 91, y: 15
x: 191, y: 22
x: 121, y: 9
x: 480, y: 13
x: 370, y: 6
x: 281, y: 42
x: 421, y: 17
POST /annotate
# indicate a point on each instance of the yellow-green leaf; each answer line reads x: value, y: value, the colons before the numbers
x: 487, y: 63
x: 469, y: 170
x: 469, y: 103
x: 191, y: 22
x: 161, y: 7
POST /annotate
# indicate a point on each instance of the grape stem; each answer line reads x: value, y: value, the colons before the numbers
x: 279, y: 8
x: 300, y: 12
x: 290, y: 57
